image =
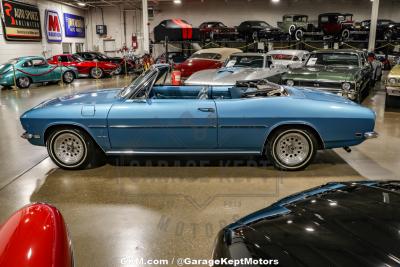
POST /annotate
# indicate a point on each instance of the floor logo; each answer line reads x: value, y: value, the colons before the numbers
x: 53, y: 27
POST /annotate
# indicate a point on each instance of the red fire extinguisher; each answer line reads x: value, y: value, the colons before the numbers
x: 176, y: 77
x: 135, y: 44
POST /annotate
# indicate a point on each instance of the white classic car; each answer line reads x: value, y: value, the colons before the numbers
x: 288, y: 57
x: 239, y: 67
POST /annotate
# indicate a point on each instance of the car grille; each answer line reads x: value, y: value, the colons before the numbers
x: 315, y: 84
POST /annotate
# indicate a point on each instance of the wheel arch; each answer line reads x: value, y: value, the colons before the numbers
x: 294, y: 124
x: 54, y: 126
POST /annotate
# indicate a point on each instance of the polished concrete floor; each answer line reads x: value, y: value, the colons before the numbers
x: 160, y: 208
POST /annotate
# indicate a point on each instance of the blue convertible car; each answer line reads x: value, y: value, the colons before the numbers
x: 286, y: 124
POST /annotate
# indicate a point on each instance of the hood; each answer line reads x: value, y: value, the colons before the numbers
x: 5, y: 68
x: 93, y: 97
x: 192, y: 65
x: 323, y: 73
x: 337, y: 221
x: 229, y: 76
x: 395, y: 72
x: 319, y: 95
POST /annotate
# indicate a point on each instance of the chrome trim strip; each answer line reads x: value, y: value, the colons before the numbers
x: 203, y: 152
x: 243, y: 126
x: 371, y: 135
x: 97, y: 126
x: 163, y: 126
x: 336, y: 90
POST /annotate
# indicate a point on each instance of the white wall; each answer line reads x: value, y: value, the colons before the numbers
x: 231, y: 12
x: 12, y: 49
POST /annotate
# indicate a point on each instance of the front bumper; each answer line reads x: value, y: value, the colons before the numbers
x: 393, y: 90
x: 371, y: 135
x: 29, y: 136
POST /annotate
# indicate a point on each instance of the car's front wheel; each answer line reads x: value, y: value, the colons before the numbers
x: 291, y: 149
x: 23, y: 82
x: 71, y: 148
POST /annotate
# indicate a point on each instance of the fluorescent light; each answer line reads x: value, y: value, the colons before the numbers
x: 177, y: 2
x: 275, y: 1
x: 81, y: 4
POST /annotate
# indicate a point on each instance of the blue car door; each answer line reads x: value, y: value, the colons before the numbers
x: 163, y: 124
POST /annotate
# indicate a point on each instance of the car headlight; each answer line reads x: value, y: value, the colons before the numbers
x: 392, y: 81
x: 346, y: 86
x: 289, y: 82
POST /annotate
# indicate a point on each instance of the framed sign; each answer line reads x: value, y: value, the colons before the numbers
x: 21, y: 22
x: 74, y: 25
x: 53, y: 27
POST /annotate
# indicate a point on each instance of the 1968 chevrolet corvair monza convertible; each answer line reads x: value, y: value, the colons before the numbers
x: 286, y: 124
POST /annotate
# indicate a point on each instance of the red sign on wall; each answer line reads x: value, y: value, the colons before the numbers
x: 21, y: 22
x: 53, y: 27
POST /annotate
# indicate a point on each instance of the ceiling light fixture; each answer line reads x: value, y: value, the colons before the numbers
x: 177, y: 2
x: 81, y: 4
x: 275, y: 1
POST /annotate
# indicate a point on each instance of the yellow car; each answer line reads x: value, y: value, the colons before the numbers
x: 393, y: 86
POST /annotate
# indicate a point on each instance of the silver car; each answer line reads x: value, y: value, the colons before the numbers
x: 239, y: 67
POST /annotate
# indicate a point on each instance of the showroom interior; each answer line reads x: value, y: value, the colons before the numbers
x: 144, y: 132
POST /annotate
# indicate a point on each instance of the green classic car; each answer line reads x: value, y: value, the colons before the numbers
x: 28, y: 70
x: 344, y: 72
x: 292, y: 22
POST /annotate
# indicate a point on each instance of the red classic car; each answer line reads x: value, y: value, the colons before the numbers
x: 35, y: 236
x: 85, y: 68
x: 215, y: 30
x: 211, y: 58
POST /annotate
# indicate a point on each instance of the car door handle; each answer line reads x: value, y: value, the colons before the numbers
x: 206, y: 109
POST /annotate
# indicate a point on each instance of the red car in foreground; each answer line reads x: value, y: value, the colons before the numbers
x: 211, y: 58
x: 35, y: 236
x: 85, y: 68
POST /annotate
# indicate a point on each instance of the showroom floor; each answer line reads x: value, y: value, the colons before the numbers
x: 160, y: 208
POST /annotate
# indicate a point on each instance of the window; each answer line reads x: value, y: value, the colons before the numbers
x: 287, y: 19
x: 63, y: 59
x: 39, y: 62
x: 245, y: 61
x: 78, y: 47
x: 27, y: 64
x: 332, y: 59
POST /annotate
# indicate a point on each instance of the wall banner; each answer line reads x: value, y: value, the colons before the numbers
x: 53, y: 27
x: 74, y: 25
x: 21, y: 22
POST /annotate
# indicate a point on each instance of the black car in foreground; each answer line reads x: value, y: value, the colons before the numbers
x: 253, y: 30
x: 337, y: 224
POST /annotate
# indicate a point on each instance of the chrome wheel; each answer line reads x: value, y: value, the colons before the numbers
x: 96, y: 73
x: 292, y: 148
x: 68, y: 77
x: 118, y: 70
x: 23, y: 82
x: 69, y: 149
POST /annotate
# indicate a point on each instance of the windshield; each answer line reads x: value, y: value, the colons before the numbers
x: 135, y: 83
x: 206, y: 56
x: 101, y: 56
x: 333, y: 59
x: 300, y: 19
x: 77, y: 58
x: 262, y: 24
x: 245, y: 61
x: 10, y: 61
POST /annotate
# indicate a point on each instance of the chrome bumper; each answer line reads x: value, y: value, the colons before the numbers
x: 371, y: 135
x: 28, y: 136
x: 393, y: 90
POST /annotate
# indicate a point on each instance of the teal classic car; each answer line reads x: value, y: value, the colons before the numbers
x: 344, y: 72
x: 28, y: 70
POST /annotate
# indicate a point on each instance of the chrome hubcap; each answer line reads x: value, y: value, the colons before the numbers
x: 24, y: 81
x: 292, y: 149
x: 68, y: 148
x: 118, y: 70
x: 68, y: 77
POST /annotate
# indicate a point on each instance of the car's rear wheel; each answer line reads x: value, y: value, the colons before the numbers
x: 291, y: 149
x: 68, y: 77
x: 71, y: 148
x: 96, y: 73
x: 345, y: 34
x: 23, y: 82
x: 118, y: 70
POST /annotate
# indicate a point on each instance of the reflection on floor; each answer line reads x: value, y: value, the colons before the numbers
x: 167, y: 207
